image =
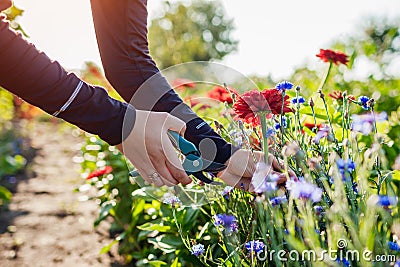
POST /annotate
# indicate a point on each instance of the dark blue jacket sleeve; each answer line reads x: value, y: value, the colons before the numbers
x: 121, y: 31
x: 31, y: 75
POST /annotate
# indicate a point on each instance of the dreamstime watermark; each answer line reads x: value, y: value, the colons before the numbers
x: 340, y: 254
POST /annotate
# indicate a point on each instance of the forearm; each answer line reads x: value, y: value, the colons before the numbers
x: 31, y: 75
x: 121, y: 31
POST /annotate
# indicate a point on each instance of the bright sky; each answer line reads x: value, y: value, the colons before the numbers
x: 274, y: 36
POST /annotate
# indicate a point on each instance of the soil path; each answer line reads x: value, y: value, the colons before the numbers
x: 46, y: 224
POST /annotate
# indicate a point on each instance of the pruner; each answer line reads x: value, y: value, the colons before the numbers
x: 193, y: 163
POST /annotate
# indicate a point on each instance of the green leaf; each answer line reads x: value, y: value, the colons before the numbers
x: 104, y: 212
x: 175, y: 263
x: 157, y: 263
x: 5, y: 195
x: 154, y: 227
x: 107, y: 248
x: 396, y: 175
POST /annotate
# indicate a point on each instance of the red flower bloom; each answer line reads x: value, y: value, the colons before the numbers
x: 221, y: 94
x: 253, y: 102
x: 192, y: 101
x: 181, y: 84
x: 97, y: 173
x: 338, y: 95
x: 327, y: 55
x: 311, y: 125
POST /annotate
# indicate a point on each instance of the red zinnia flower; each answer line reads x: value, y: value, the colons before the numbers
x: 311, y: 125
x: 327, y: 55
x: 253, y: 102
x: 338, y: 95
x: 221, y: 94
x: 97, y: 173
x: 181, y: 83
x: 195, y: 101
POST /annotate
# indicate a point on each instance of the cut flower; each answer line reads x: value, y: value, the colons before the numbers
x: 255, y: 102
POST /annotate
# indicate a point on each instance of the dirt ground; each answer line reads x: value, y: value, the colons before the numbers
x: 47, y: 224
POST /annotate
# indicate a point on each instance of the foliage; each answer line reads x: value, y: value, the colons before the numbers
x: 12, y: 15
x: 352, y: 179
x: 199, y: 31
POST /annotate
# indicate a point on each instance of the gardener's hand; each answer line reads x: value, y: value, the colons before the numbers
x: 150, y: 150
x: 241, y: 167
x: 4, y: 4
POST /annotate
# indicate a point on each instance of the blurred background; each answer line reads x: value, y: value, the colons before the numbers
x: 272, y: 37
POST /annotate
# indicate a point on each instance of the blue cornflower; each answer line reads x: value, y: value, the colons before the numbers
x: 284, y: 85
x: 304, y: 190
x: 227, y: 221
x: 299, y: 100
x: 355, y: 189
x: 275, y: 201
x: 393, y: 246
x: 397, y: 264
x: 345, y: 166
x: 286, y: 231
x: 323, y: 132
x: 171, y: 200
x: 386, y: 201
x: 227, y: 191
x: 270, y: 132
x: 278, y: 125
x: 318, y: 232
x: 363, y: 100
x: 318, y: 210
x: 197, y: 249
x: 254, y: 246
x: 344, y: 261
x: 364, y: 123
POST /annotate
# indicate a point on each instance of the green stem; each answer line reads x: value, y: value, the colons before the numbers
x: 283, y: 105
x: 323, y: 82
x: 263, y: 121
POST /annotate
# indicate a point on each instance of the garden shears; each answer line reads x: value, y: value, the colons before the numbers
x: 193, y: 163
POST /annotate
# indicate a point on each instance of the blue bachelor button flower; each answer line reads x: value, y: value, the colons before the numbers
x: 299, y: 100
x: 355, y: 189
x: 393, y: 246
x: 227, y: 221
x: 270, y: 132
x: 227, y: 191
x: 305, y: 191
x: 254, y: 246
x: 363, y: 101
x: 344, y: 262
x: 345, y: 165
x: 197, y: 249
x: 171, y: 200
x: 286, y: 231
x: 285, y: 85
x: 277, y: 126
x: 386, y: 201
x: 318, y: 210
x: 397, y: 264
x: 275, y: 201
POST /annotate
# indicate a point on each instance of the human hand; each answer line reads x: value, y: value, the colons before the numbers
x: 4, y: 4
x: 150, y: 150
x: 241, y: 167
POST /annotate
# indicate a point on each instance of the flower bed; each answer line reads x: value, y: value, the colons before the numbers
x: 340, y: 209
